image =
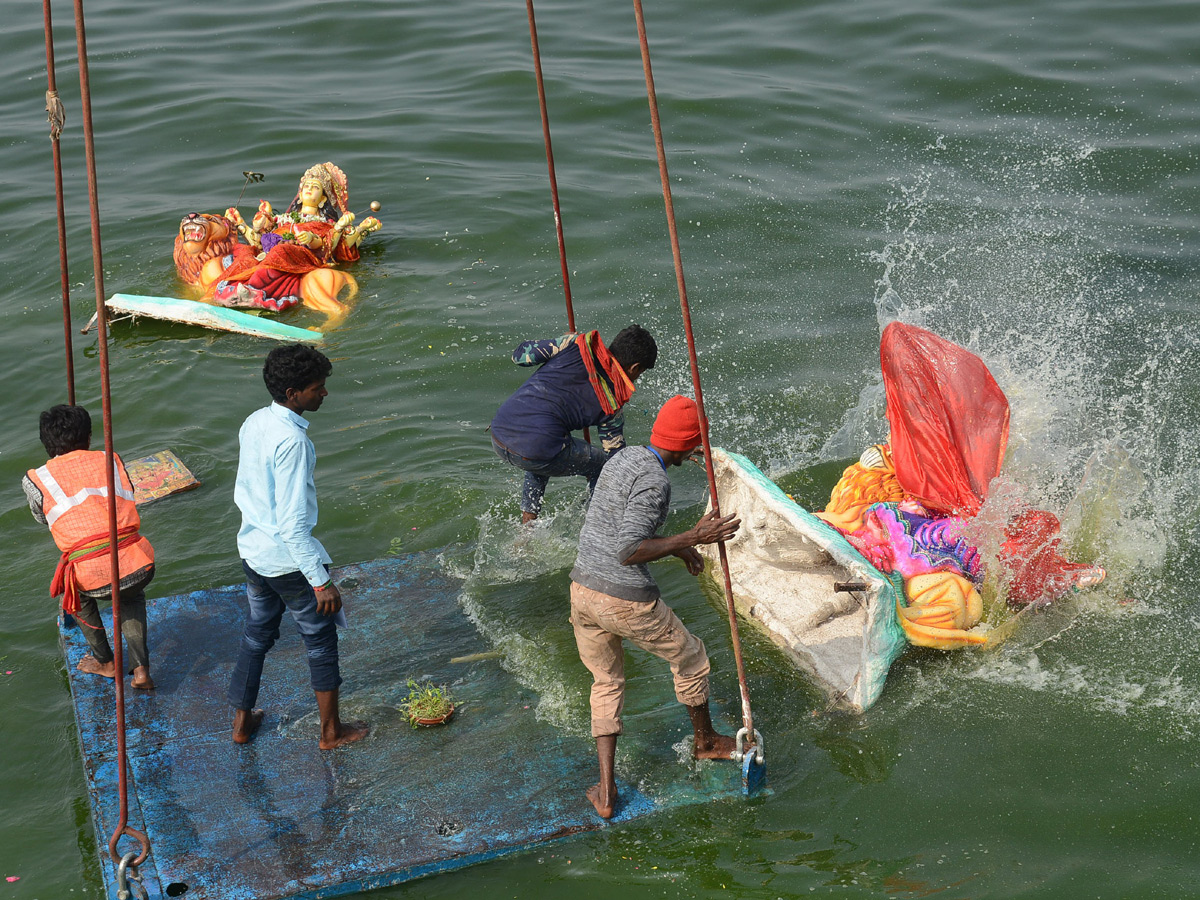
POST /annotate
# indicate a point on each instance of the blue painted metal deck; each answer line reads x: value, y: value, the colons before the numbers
x: 279, y: 818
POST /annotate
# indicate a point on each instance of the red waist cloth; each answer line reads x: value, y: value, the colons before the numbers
x: 65, y: 581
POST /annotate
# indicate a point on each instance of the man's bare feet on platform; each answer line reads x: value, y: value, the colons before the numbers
x: 334, y: 732
x: 707, y: 743
x: 604, y: 801
x: 245, y: 723
x: 714, y: 746
x: 603, y: 795
x: 91, y: 666
x: 141, y: 679
x: 346, y: 733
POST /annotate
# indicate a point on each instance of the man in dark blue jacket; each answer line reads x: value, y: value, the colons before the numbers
x: 580, y: 383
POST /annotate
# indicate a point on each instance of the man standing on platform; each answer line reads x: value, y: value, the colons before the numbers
x: 614, y: 596
x: 285, y: 566
x: 580, y: 384
x: 70, y: 495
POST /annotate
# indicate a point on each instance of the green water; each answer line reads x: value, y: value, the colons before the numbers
x: 1018, y: 176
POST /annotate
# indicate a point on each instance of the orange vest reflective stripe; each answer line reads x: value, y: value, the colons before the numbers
x: 75, y: 503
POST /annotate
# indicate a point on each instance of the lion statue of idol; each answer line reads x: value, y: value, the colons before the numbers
x: 285, y: 259
x: 201, y: 244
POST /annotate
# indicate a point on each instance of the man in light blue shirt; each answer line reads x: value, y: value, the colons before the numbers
x: 285, y: 566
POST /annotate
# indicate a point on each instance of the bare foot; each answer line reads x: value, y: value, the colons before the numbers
x: 141, y: 678
x: 245, y: 724
x: 347, y: 733
x: 527, y: 517
x: 602, y: 800
x: 91, y: 666
x: 718, y: 746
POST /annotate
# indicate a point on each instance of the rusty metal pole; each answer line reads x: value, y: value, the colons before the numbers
x: 123, y: 828
x: 747, y: 715
x: 541, y: 89
x: 56, y: 116
x: 558, y: 228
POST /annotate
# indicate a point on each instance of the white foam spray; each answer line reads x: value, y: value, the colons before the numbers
x: 1004, y: 252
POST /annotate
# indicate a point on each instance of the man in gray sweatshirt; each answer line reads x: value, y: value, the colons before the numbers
x: 614, y: 596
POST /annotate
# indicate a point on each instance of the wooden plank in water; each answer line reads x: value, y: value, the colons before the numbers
x: 207, y: 315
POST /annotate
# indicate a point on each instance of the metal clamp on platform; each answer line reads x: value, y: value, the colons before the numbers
x: 127, y: 872
x: 739, y: 752
x: 754, y: 771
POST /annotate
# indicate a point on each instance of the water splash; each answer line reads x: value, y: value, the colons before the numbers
x: 1103, y: 687
x: 508, y: 553
x: 999, y: 251
x: 1002, y: 250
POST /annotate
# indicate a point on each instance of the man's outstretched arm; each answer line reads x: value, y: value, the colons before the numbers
x: 710, y: 529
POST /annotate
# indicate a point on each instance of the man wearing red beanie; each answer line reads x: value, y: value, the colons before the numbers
x: 614, y: 597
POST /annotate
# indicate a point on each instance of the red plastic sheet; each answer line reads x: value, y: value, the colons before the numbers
x: 949, y: 419
x: 1030, y: 555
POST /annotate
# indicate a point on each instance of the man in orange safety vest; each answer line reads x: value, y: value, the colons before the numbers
x: 70, y: 495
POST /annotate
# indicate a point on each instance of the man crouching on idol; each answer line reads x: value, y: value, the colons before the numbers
x: 285, y: 566
x: 614, y: 596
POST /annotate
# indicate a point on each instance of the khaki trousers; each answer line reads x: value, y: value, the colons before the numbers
x: 601, y: 622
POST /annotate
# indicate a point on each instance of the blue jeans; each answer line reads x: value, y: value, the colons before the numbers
x: 268, y: 597
x: 577, y: 458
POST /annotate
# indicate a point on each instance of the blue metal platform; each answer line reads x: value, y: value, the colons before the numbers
x: 279, y: 818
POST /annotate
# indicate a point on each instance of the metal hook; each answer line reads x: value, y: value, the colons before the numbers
x: 138, y: 836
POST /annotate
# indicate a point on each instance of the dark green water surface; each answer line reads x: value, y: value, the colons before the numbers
x: 1019, y: 176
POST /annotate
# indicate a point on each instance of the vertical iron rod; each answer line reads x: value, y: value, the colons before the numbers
x: 541, y: 89
x: 562, y: 245
x: 123, y: 827
x: 747, y: 715
x: 54, y: 109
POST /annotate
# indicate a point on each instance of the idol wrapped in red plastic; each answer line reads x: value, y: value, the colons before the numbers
x: 905, y: 504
